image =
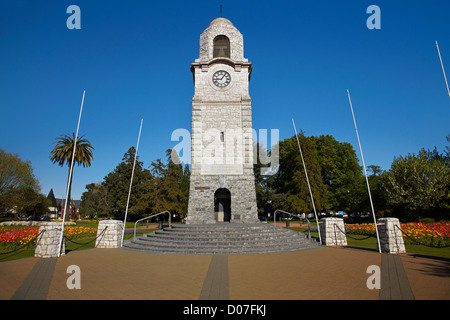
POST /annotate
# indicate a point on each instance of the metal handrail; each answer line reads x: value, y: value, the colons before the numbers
x: 154, y: 215
x: 291, y: 214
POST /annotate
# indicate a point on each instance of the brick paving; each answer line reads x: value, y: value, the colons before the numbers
x: 327, y: 273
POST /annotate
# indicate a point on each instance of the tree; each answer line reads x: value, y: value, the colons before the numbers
x: 117, y: 183
x: 265, y: 194
x: 335, y: 176
x: 340, y: 172
x: 93, y: 201
x: 16, y: 176
x: 169, y: 188
x: 62, y: 154
x: 418, y: 186
x: 29, y: 202
x: 291, y: 180
x: 377, y: 189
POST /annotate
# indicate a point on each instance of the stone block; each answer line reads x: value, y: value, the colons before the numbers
x: 390, y: 234
x: 109, y: 234
x: 332, y: 232
x: 48, y: 242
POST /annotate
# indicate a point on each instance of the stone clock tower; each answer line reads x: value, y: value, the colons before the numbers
x: 222, y: 187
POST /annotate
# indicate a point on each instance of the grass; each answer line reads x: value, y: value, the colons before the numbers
x: 78, y: 244
x: 371, y: 243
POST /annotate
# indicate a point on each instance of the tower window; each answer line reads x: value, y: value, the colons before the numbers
x: 222, y: 137
x: 221, y: 47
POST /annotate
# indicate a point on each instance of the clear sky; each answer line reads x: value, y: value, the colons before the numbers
x: 133, y: 59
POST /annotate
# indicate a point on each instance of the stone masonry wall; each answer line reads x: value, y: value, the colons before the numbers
x: 332, y: 232
x: 201, y: 198
x: 49, y: 240
x: 221, y: 26
x: 112, y: 236
x: 222, y: 140
x: 391, y: 238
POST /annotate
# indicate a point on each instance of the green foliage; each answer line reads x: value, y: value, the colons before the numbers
x: 19, y: 188
x: 63, y: 150
x: 291, y: 180
x: 169, y: 188
x: 334, y: 174
x: 15, y: 173
x: 93, y: 201
x: 164, y: 186
x: 418, y: 186
x: 117, y: 183
x: 29, y: 202
x: 415, y: 187
x: 340, y: 172
x: 62, y: 154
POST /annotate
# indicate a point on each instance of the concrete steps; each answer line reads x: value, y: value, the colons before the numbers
x: 221, y: 238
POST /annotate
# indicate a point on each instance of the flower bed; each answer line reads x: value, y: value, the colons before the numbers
x: 18, y: 237
x: 431, y: 234
x: 362, y: 229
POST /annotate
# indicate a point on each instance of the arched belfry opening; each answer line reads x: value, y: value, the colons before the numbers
x: 221, y: 47
x: 222, y: 205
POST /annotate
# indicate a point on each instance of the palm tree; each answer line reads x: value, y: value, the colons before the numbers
x: 63, y: 150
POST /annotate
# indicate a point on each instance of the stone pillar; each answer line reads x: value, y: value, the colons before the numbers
x: 391, y: 237
x: 48, y: 241
x: 112, y: 236
x: 332, y: 232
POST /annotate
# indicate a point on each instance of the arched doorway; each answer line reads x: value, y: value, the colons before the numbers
x: 222, y: 205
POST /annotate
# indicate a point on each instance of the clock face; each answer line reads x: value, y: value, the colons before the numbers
x: 221, y: 78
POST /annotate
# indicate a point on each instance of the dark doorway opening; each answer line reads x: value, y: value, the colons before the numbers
x: 222, y: 205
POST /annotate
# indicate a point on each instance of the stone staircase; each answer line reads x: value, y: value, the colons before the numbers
x: 221, y: 238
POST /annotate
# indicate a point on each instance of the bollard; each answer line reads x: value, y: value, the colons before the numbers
x: 49, y: 240
x: 109, y: 234
x: 332, y: 231
x: 391, y: 238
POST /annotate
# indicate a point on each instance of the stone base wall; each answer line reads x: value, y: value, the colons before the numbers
x: 112, y: 236
x: 391, y: 238
x: 49, y: 239
x: 201, y: 198
x: 332, y: 232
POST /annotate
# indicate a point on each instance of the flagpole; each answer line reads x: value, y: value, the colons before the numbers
x: 131, y: 182
x: 442, y: 66
x: 70, y: 177
x: 307, y: 179
x: 365, y: 172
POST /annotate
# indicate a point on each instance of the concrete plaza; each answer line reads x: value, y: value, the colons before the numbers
x: 326, y: 273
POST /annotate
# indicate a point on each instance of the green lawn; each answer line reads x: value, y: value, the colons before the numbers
x: 78, y: 244
x: 371, y: 243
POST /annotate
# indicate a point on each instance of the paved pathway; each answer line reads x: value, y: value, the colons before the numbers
x: 216, y: 284
x: 326, y: 273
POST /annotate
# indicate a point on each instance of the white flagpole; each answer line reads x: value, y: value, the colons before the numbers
x: 70, y: 177
x: 131, y: 181
x: 307, y: 179
x: 365, y: 172
x: 443, y: 71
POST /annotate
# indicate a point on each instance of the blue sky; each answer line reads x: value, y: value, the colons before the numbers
x: 133, y: 59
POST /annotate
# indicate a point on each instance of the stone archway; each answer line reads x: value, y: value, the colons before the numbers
x: 222, y: 205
